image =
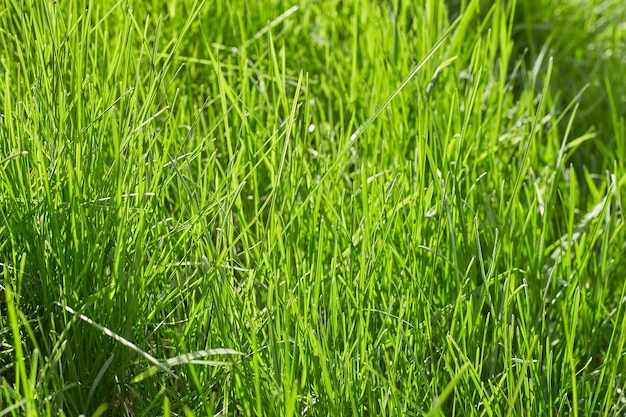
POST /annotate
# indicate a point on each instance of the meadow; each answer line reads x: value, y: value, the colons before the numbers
x: 312, y: 208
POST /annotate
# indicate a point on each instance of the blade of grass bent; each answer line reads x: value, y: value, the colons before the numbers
x: 120, y: 339
x: 189, y: 358
x: 404, y: 83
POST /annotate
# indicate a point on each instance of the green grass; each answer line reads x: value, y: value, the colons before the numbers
x: 314, y: 208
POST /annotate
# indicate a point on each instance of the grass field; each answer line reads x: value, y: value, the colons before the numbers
x: 313, y: 208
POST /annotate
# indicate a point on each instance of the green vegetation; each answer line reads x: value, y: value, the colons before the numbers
x: 315, y: 208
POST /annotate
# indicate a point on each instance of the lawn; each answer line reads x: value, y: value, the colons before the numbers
x: 312, y: 208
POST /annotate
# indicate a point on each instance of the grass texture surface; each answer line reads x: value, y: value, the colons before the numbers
x: 312, y: 208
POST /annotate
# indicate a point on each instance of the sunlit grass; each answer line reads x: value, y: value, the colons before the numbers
x: 321, y: 208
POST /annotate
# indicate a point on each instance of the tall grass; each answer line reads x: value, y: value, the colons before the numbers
x: 313, y: 208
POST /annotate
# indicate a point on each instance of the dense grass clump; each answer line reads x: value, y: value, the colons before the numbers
x: 312, y: 208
